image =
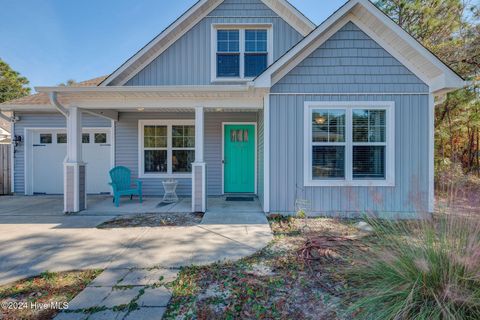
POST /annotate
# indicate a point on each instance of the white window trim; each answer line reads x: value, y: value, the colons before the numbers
x: 141, y: 154
x: 389, y: 106
x: 242, y: 27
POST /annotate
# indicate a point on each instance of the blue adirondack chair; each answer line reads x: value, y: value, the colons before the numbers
x: 122, y: 185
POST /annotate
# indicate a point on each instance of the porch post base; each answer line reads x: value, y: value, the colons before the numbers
x: 199, y: 187
x: 75, y: 195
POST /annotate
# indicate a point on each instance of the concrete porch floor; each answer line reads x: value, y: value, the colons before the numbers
x: 216, y: 206
x: 99, y: 205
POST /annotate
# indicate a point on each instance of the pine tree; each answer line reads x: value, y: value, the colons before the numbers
x: 12, y: 84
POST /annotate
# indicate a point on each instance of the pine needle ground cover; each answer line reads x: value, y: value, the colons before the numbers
x: 39, y: 298
x: 296, y: 277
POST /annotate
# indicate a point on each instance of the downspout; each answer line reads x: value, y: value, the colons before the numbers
x: 12, y: 154
x: 54, y: 100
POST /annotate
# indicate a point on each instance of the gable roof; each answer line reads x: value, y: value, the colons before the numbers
x: 42, y: 98
x: 187, y: 21
x: 378, y: 26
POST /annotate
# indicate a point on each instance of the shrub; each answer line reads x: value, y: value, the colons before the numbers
x: 420, y: 270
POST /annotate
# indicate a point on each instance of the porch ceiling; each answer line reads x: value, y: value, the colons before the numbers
x: 213, y: 97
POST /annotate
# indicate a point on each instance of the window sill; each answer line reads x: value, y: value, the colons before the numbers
x: 343, y: 183
x: 165, y: 176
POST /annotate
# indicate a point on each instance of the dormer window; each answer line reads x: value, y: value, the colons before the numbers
x: 240, y: 52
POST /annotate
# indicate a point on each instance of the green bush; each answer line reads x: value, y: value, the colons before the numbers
x: 420, y: 270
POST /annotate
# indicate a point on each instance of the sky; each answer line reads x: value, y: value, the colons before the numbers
x: 52, y: 41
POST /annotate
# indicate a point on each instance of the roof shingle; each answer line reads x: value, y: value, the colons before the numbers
x: 43, y: 99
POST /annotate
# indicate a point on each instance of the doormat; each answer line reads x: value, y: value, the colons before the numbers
x: 239, y: 199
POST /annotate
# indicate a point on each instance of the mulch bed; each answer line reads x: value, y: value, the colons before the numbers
x: 153, y: 220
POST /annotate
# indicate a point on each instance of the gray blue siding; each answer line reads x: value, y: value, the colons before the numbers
x: 126, y: 147
x: 188, y: 60
x: 242, y: 8
x: 260, y: 157
x: 350, y: 63
x: 411, y: 159
x: 43, y: 120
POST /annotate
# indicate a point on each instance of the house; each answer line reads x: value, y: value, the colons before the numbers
x: 250, y: 97
x: 4, y: 128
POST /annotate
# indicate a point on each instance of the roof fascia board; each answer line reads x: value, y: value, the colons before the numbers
x: 449, y: 79
x: 281, y: 7
x: 113, y: 89
x: 291, y: 15
x: 185, y: 16
x: 27, y: 108
x: 408, y: 38
x: 444, y: 83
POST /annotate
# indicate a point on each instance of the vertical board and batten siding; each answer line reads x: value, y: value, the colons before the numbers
x: 126, y: 147
x: 5, y: 169
x: 44, y: 120
x: 411, y: 159
x: 350, y: 62
x: 188, y: 60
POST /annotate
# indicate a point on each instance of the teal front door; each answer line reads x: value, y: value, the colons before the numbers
x: 239, y: 158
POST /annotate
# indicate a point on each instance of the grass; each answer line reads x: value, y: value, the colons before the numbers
x: 47, y: 288
x: 424, y: 270
x: 275, y: 283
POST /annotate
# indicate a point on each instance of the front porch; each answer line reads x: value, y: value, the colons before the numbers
x: 159, y: 134
x: 43, y: 208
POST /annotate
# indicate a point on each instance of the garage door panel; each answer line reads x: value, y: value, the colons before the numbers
x: 49, y: 151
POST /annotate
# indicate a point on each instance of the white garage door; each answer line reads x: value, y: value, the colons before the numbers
x: 49, y: 151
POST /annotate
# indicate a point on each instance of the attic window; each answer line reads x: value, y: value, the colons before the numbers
x: 241, y: 52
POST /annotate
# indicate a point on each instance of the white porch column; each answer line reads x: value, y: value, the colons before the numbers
x: 199, y: 174
x: 74, y: 175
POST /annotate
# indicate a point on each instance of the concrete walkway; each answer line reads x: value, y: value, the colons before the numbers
x: 123, y: 294
x: 34, y: 239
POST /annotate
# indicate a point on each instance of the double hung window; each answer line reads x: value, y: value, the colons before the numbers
x: 349, y: 143
x: 240, y: 52
x: 167, y: 148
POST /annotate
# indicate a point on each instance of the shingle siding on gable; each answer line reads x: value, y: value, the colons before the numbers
x: 350, y: 61
x: 188, y: 61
